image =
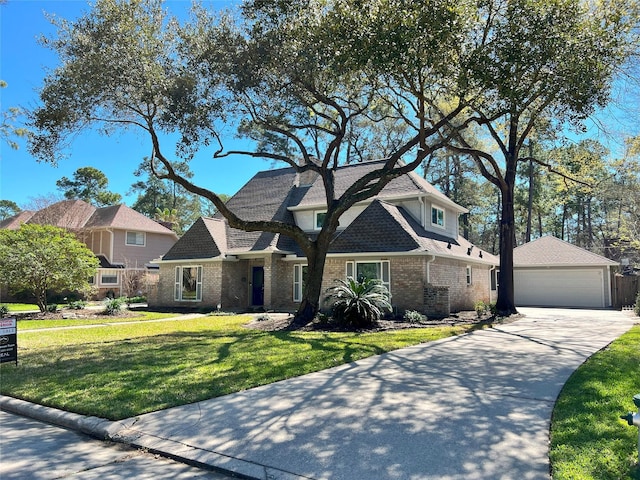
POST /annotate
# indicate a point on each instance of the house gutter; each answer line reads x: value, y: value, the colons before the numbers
x: 384, y: 255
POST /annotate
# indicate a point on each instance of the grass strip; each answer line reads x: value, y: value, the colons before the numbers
x: 76, y: 322
x: 117, y: 372
x: 588, y: 439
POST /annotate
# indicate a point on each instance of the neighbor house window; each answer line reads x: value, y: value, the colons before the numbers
x: 469, y: 276
x: 188, y: 285
x: 377, y: 270
x: 109, y: 279
x: 319, y: 220
x: 300, y: 273
x: 135, y: 238
x: 437, y: 216
x: 494, y: 279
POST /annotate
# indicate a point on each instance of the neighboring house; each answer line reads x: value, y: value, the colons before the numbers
x: 407, y: 237
x: 125, y: 241
x: 550, y: 272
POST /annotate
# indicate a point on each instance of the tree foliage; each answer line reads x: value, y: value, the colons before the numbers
x: 310, y: 83
x: 8, y: 209
x: 42, y: 259
x: 90, y: 185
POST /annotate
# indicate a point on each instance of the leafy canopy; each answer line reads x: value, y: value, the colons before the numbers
x: 42, y: 258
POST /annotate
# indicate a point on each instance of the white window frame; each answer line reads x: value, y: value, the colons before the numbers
x: 316, y: 214
x: 143, y: 235
x: 179, y: 277
x: 351, y: 269
x: 298, y: 280
x: 437, y: 211
x: 109, y: 275
x: 469, y: 274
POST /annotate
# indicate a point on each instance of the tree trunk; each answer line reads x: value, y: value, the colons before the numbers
x: 312, y: 291
x: 505, y: 305
x: 527, y: 238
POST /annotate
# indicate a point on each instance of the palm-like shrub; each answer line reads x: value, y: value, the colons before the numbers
x: 359, y: 303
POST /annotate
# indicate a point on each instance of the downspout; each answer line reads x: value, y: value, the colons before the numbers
x: 428, y: 266
x: 491, y: 270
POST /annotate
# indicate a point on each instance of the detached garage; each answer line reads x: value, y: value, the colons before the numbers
x: 550, y: 272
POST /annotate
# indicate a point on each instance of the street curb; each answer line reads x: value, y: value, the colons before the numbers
x: 123, y: 432
x: 96, y: 427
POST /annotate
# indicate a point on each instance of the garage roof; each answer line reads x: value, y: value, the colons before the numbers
x: 551, y: 251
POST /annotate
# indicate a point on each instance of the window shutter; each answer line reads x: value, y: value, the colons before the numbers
x: 178, y: 284
x: 349, y: 270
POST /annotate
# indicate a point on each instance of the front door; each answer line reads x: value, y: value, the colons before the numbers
x: 257, y: 286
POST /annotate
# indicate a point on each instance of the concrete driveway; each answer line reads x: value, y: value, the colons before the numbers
x: 477, y: 406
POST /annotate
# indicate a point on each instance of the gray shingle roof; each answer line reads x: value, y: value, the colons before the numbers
x: 405, y: 185
x: 205, y: 239
x: 381, y: 227
x: 384, y: 227
x: 551, y: 251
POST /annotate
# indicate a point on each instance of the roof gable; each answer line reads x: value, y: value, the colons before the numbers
x: 552, y: 251
x: 384, y: 227
x: 206, y: 238
x: 14, y: 222
x: 402, y: 186
x: 379, y: 228
x: 71, y: 214
x: 125, y: 218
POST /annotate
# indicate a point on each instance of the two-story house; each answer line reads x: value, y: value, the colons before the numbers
x: 407, y: 236
x: 125, y: 241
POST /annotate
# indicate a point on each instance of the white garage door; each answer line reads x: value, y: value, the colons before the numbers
x: 559, y: 288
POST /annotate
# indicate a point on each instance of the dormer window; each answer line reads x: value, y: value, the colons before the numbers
x: 437, y: 217
x: 319, y: 217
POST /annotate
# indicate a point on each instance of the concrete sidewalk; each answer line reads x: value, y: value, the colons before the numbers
x: 476, y: 406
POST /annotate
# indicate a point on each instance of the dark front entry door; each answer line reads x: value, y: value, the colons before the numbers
x: 257, y: 286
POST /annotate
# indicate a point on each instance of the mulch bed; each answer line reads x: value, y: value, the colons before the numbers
x: 279, y: 321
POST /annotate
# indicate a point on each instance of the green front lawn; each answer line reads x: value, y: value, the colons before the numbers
x: 121, y: 371
x: 589, y: 441
x: 20, y: 307
x: 104, y: 319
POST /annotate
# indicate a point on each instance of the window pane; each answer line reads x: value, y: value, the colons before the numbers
x: 109, y: 278
x: 368, y: 270
x: 437, y: 216
x: 189, y: 283
x: 135, y: 238
x: 320, y: 216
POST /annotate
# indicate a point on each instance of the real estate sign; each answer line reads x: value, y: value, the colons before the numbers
x: 8, y: 340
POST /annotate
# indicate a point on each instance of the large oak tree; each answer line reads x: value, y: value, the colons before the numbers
x: 307, y: 82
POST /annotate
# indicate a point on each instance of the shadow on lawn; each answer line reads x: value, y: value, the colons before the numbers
x: 120, y: 379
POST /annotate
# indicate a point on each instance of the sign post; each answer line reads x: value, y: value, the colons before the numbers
x: 8, y: 340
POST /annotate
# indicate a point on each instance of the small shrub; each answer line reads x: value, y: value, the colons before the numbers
x: 52, y: 308
x: 4, y: 310
x: 77, y: 305
x: 636, y: 309
x: 113, y: 306
x: 359, y: 303
x: 413, y: 316
x: 480, y: 307
x: 263, y: 317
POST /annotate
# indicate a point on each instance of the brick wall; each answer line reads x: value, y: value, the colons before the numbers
x: 453, y: 273
x: 228, y: 283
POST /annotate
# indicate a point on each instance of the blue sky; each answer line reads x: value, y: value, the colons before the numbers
x: 23, y: 65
